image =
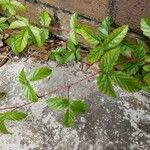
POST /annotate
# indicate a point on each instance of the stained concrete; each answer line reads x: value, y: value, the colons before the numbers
x: 109, y: 124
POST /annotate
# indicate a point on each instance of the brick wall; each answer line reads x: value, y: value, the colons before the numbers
x: 91, y: 11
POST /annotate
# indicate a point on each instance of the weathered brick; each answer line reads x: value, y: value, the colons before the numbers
x: 131, y: 11
x: 96, y: 9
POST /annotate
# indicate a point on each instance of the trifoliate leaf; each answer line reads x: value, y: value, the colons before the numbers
x: 58, y: 103
x: 105, y: 85
x: 145, y: 26
x: 88, y: 34
x: 78, y: 106
x: 3, y: 128
x: 40, y: 73
x: 14, y: 115
x: 126, y: 82
x: 109, y: 59
x: 21, y: 40
x: 69, y: 118
x: 146, y: 68
x: 45, y: 19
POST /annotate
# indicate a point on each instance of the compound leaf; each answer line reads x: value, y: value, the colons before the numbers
x: 22, y: 78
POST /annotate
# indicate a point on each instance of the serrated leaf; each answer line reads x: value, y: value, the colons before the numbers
x: 105, y: 85
x: 147, y: 59
x: 78, y: 106
x: 40, y: 73
x: 29, y: 93
x: 105, y: 28
x: 88, y: 34
x: 14, y: 115
x: 17, y: 5
x: 126, y: 82
x: 21, y: 40
x: 44, y: 35
x: 71, y: 46
x: 69, y: 118
x: 109, y: 59
x: 36, y: 35
x: 145, y: 26
x: 58, y: 103
x: 22, y: 78
x: 3, y: 128
x: 115, y: 37
x: 18, y: 24
x: 111, y: 41
x: 73, y: 37
x: 139, y: 50
x: 73, y: 21
x: 11, y: 43
x: 147, y: 78
x: 45, y: 19
x: 146, y: 68
x: 27, y: 89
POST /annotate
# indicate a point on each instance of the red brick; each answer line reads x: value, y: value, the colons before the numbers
x: 131, y: 11
x: 96, y: 9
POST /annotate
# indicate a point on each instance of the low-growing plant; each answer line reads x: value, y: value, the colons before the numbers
x: 120, y: 61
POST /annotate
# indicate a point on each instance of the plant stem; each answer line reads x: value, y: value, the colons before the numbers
x: 62, y: 88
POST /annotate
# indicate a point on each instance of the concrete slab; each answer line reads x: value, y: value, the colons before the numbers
x: 109, y: 124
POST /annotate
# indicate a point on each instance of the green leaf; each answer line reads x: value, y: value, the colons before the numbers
x: 126, y: 82
x: 104, y: 30
x: 45, y: 19
x: 44, y: 35
x: 105, y: 85
x: 147, y: 78
x: 88, y: 34
x: 17, y: 5
x: 140, y: 50
x: 36, y: 35
x: 73, y: 21
x: 69, y: 118
x: 111, y: 41
x: 29, y: 93
x: 115, y: 37
x: 71, y: 46
x: 14, y: 116
x: 147, y: 59
x: 109, y: 59
x: 77, y: 106
x: 40, y: 73
x: 58, y: 103
x: 22, y: 78
x: 11, y: 43
x: 146, y: 68
x: 21, y: 40
x: 18, y: 24
x: 145, y: 26
x: 3, y: 128
x: 73, y: 37
x: 27, y: 89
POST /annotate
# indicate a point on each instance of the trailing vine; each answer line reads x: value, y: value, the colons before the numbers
x: 121, y: 62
